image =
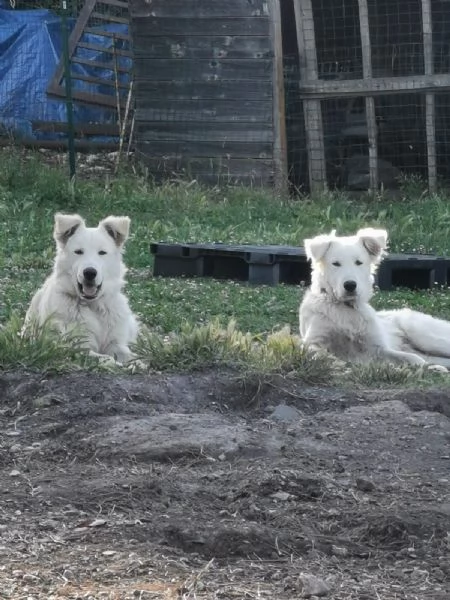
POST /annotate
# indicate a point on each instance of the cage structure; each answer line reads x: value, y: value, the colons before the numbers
x: 374, y: 83
x: 209, y: 89
x: 352, y: 94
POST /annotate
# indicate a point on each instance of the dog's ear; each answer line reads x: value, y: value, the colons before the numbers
x: 374, y: 241
x: 317, y: 247
x: 118, y: 228
x: 65, y: 227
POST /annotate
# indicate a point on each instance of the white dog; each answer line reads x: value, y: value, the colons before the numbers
x: 84, y: 291
x: 335, y: 314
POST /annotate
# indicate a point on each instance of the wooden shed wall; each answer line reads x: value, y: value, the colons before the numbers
x: 205, y: 79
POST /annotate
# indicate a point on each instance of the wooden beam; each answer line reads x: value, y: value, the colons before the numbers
x: 429, y: 97
x: 369, y: 100
x: 279, y: 113
x: 312, y: 107
x: 382, y: 86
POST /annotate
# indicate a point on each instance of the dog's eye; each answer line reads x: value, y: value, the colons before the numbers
x: 358, y: 263
x: 336, y: 264
x: 102, y: 252
x: 79, y: 251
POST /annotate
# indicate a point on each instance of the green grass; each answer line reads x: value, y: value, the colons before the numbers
x: 31, y: 192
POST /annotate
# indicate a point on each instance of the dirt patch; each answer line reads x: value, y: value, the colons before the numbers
x: 209, y: 486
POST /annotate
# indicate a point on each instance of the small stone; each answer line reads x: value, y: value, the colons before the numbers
x: 285, y: 413
x: 97, y: 523
x: 221, y: 457
x: 283, y: 496
x: 365, y: 485
x: 313, y: 586
x: 339, y: 551
x: 47, y: 400
x: 14, y: 473
x: 109, y: 553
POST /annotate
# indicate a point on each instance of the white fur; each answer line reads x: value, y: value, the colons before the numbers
x: 84, y: 291
x: 335, y: 314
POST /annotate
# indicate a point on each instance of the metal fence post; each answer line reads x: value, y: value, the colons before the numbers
x: 68, y: 85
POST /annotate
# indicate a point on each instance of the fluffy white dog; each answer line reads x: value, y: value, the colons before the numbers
x: 335, y: 314
x: 84, y: 291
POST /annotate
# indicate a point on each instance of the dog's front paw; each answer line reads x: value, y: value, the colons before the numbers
x: 136, y: 366
x: 437, y: 369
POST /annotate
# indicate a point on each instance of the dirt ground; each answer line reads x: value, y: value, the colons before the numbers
x: 210, y: 486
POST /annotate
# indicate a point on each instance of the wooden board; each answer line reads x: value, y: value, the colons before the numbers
x: 204, y: 90
x: 207, y: 131
x: 176, y: 69
x: 213, y: 46
x: 322, y: 89
x: 205, y: 148
x: 220, y: 111
x: 199, y: 9
x: 154, y: 27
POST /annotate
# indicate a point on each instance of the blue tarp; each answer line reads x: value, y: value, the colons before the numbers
x: 30, y: 50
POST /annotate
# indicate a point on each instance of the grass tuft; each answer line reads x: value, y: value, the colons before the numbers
x: 40, y: 348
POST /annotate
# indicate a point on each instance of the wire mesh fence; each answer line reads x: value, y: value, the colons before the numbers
x: 366, y: 85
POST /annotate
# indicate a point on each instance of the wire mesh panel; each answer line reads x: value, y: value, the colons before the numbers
x: 379, y: 70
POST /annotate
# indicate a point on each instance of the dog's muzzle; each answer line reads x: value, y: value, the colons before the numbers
x: 87, y: 288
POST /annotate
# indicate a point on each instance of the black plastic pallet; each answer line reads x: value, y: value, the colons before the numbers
x: 414, y: 271
x: 268, y: 265
x: 272, y: 265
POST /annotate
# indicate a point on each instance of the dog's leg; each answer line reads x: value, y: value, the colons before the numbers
x: 399, y: 356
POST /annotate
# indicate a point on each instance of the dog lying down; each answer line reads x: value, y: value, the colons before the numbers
x: 335, y: 314
x: 84, y: 291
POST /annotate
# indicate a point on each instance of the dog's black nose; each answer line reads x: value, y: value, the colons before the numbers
x: 90, y: 274
x: 349, y: 286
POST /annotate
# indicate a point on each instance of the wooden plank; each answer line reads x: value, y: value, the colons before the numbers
x: 101, y: 49
x: 223, y: 69
x: 80, y: 145
x: 221, y: 111
x: 199, y: 9
x: 430, y: 109
x: 279, y: 113
x: 118, y: 3
x: 218, y: 149
x: 81, y: 129
x: 96, y: 81
x: 108, y: 34
x: 154, y: 27
x: 312, y: 108
x: 88, y: 97
x: 107, y: 66
x: 207, y: 47
x: 208, y: 132
x: 322, y: 89
x: 369, y: 100
x: 110, y: 18
x: 194, y: 89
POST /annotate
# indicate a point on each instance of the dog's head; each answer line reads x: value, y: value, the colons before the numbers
x: 89, y: 259
x: 343, y: 267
